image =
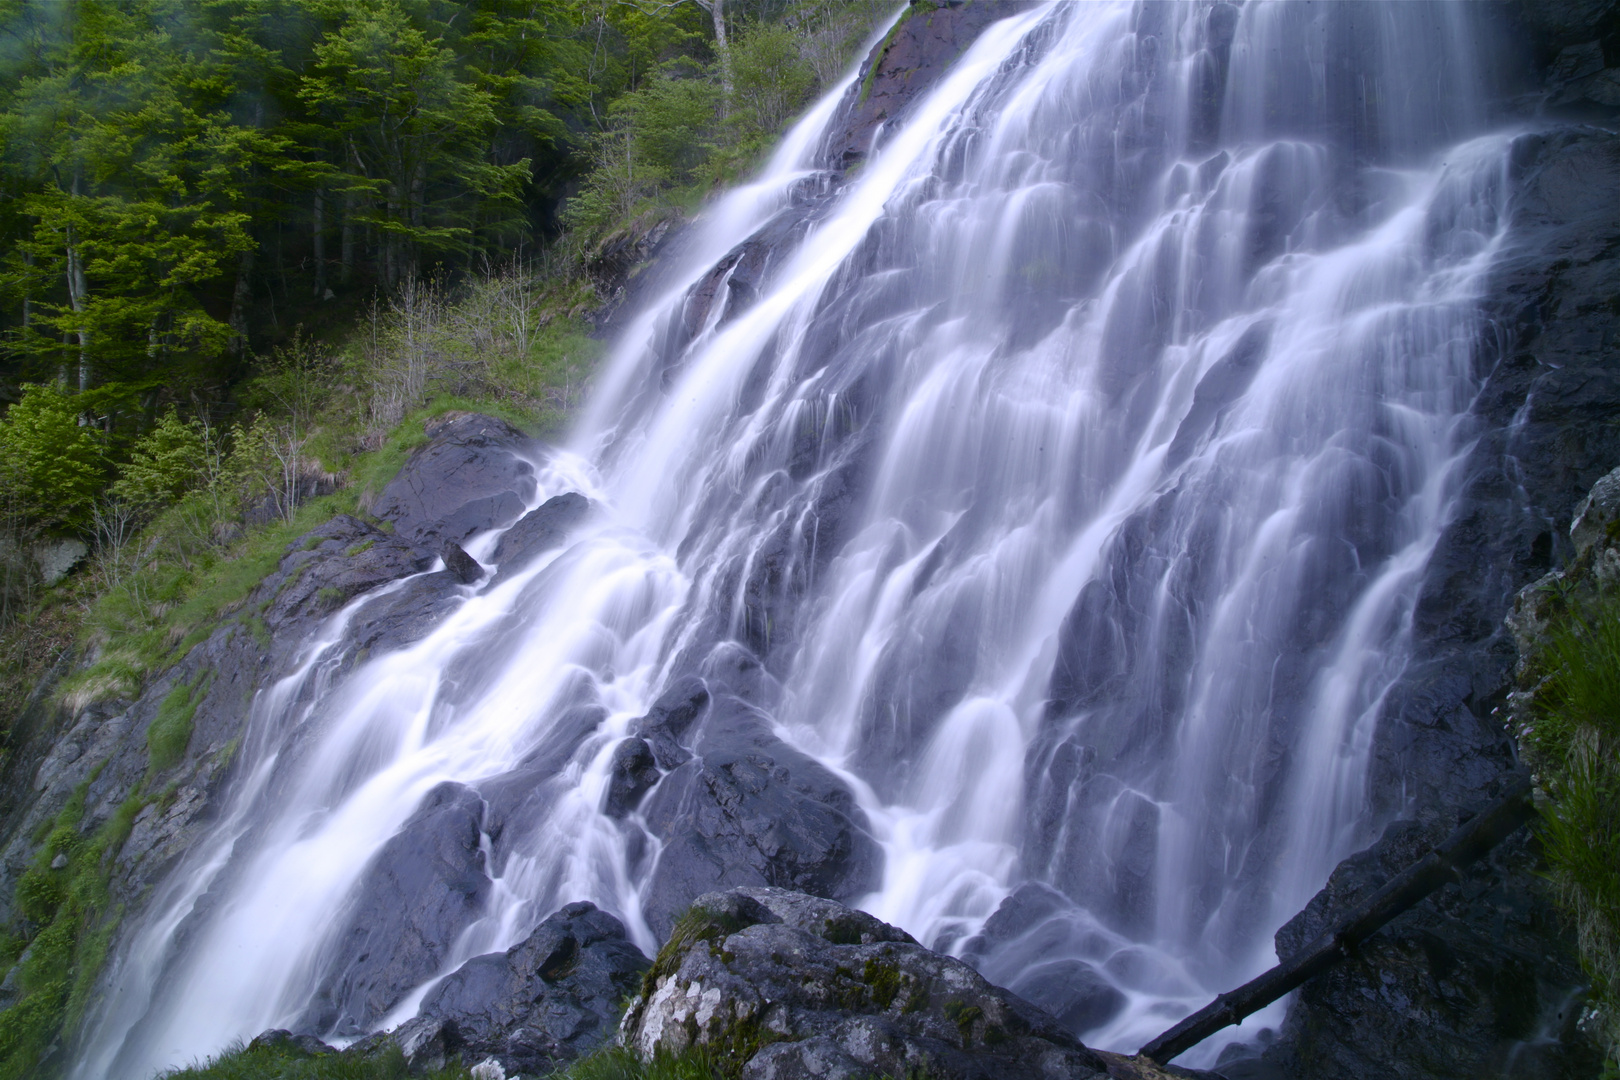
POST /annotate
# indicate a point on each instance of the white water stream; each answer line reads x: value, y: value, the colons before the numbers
x: 1149, y: 396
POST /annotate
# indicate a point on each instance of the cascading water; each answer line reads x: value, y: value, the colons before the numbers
x: 1070, y: 473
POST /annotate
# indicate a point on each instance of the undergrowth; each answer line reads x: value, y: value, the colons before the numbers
x: 1575, y: 746
x: 281, y: 1062
x: 71, y: 907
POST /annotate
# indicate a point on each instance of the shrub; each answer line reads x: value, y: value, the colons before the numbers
x: 1575, y: 743
x: 164, y: 463
x: 50, y: 462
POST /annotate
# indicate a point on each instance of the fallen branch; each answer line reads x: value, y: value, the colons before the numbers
x: 1471, y: 840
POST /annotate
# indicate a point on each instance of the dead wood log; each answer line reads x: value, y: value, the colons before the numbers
x: 1472, y: 839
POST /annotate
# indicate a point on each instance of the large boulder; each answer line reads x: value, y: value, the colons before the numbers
x: 425, y: 886
x: 788, y: 986
x: 468, y: 478
x: 748, y: 809
x: 551, y: 998
x: 540, y: 530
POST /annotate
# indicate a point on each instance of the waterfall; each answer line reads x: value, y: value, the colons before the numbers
x: 1068, y: 472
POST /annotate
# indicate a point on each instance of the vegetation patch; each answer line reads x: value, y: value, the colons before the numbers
x: 170, y: 731
x: 1573, y: 744
x: 69, y: 921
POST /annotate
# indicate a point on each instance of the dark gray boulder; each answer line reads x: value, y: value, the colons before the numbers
x: 461, y: 564
x: 931, y: 35
x: 750, y: 810
x: 544, y: 1002
x: 634, y: 772
x: 406, y: 614
x: 331, y: 565
x: 541, y: 529
x: 425, y: 886
x: 671, y: 716
x: 791, y: 986
x: 468, y: 478
x: 1029, y: 944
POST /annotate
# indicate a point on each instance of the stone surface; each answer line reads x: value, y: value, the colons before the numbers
x: 802, y: 987
x: 748, y: 809
x: 462, y: 565
x: 917, y: 52
x: 425, y: 886
x: 544, y: 1002
x: 540, y: 530
x: 1441, y: 991
x: 58, y: 558
x: 634, y: 772
x: 1453, y: 986
x: 468, y: 478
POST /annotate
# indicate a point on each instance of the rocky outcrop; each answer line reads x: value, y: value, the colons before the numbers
x: 544, y: 1002
x: 748, y: 809
x: 1441, y: 991
x: 540, y: 530
x: 469, y: 477
x: 787, y: 987
x: 426, y: 885
x: 101, y: 747
x: 1484, y: 973
x: 920, y: 48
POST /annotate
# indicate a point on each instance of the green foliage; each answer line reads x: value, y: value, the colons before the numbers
x: 286, y: 1062
x: 618, y: 1063
x: 1575, y: 741
x: 170, y: 731
x: 165, y: 463
x: 774, y: 80
x: 52, y: 464
x: 73, y: 919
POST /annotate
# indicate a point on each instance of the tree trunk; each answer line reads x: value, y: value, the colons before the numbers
x: 722, y: 49
x: 318, y: 235
x: 241, y: 297
x: 78, y: 294
x: 346, y: 251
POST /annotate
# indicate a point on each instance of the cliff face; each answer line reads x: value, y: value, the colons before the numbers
x: 1480, y: 981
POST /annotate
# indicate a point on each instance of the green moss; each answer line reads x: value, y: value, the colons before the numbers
x: 885, y: 981
x: 259, y: 629
x: 1574, y: 746
x: 964, y: 1016
x: 695, y: 925
x: 170, y: 731
x: 360, y: 548
x: 75, y: 920
x: 882, y: 50
x: 329, y: 595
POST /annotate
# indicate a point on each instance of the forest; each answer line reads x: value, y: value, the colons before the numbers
x: 242, y: 240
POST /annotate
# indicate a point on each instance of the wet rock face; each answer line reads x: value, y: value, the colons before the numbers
x: 540, y: 530
x: 801, y: 987
x: 469, y: 478
x: 930, y: 36
x: 544, y: 1002
x: 748, y: 809
x: 1479, y: 971
x: 425, y: 886
x: 1440, y: 991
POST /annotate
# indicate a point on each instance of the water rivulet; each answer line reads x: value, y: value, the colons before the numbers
x: 1042, y: 504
